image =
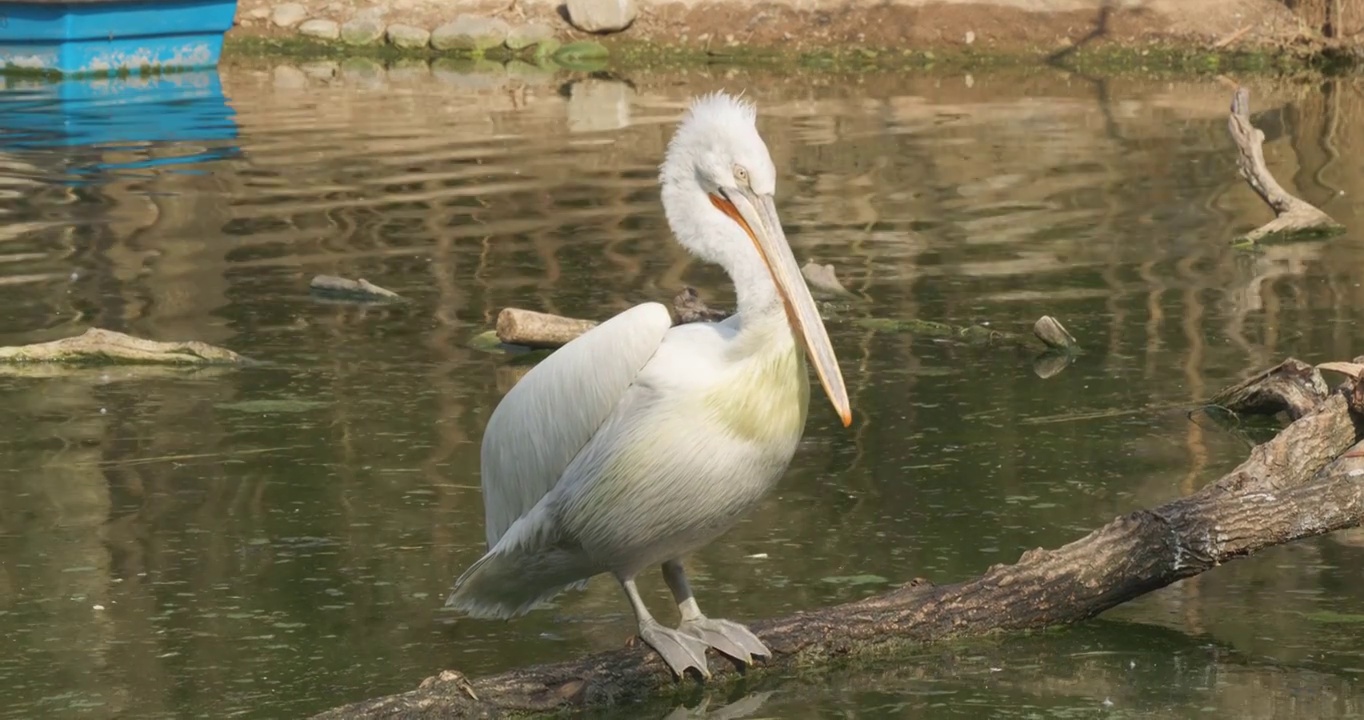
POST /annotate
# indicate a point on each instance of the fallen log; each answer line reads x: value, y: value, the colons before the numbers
x: 1293, y: 216
x: 1306, y: 481
x: 107, y: 347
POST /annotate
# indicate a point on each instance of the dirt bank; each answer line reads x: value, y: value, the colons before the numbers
x: 719, y: 27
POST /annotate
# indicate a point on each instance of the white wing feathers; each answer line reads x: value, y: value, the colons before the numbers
x: 552, y: 412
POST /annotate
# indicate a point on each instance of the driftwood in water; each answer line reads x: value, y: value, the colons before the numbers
x: 361, y: 289
x: 516, y: 326
x: 1305, y: 482
x: 528, y: 328
x: 96, y: 346
x: 1292, y: 215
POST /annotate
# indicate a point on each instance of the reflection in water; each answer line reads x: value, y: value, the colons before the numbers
x: 76, y: 122
x: 271, y: 541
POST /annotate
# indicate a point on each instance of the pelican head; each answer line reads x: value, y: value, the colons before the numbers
x: 719, y: 186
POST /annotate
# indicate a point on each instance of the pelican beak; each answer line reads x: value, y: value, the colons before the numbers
x: 757, y: 215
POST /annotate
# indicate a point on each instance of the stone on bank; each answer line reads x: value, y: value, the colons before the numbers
x: 288, y: 15
x: 470, y: 32
x: 524, y: 36
x: 601, y: 16
x: 408, y: 37
x: 363, y: 30
x: 321, y: 29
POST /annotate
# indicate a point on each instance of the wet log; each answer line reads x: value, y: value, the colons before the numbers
x: 106, y: 347
x: 528, y: 328
x: 1293, y: 216
x: 1306, y: 481
x: 516, y: 326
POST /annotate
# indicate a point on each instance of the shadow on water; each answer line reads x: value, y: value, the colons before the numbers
x: 272, y: 541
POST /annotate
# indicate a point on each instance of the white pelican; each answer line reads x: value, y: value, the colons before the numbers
x: 638, y: 442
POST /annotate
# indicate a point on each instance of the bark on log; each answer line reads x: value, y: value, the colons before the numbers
x: 96, y: 346
x: 1304, y: 482
x: 1292, y: 215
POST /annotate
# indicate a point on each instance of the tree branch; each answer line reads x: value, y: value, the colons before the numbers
x: 1301, y: 484
x: 1292, y: 215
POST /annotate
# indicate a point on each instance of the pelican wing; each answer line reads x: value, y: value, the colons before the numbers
x: 552, y: 412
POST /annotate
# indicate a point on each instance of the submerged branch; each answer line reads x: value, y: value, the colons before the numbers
x: 96, y: 346
x: 537, y: 330
x: 978, y: 335
x: 1304, y: 482
x: 1292, y: 215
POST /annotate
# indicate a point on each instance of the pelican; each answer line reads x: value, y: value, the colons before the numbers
x: 638, y: 442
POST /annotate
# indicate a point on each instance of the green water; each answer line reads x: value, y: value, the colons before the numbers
x: 274, y: 541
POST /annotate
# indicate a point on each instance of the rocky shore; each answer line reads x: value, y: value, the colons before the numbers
x: 575, y: 29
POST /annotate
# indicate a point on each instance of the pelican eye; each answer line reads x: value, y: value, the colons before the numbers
x: 741, y: 174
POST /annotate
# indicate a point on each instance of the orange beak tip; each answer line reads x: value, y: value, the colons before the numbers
x: 846, y: 418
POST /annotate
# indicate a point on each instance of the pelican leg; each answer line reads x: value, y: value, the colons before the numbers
x: 678, y: 649
x: 728, y: 637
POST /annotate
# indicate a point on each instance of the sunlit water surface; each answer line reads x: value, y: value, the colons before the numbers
x: 273, y: 541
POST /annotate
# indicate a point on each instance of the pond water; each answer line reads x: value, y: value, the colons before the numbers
x: 274, y: 541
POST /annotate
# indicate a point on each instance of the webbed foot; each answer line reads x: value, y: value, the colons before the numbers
x: 679, y: 649
x: 728, y: 637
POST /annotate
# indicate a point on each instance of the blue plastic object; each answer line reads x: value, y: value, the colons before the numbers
x: 112, y: 37
x: 183, y: 115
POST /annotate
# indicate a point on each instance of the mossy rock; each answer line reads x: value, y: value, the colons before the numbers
x: 545, y: 49
x: 582, y: 54
x: 487, y: 341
